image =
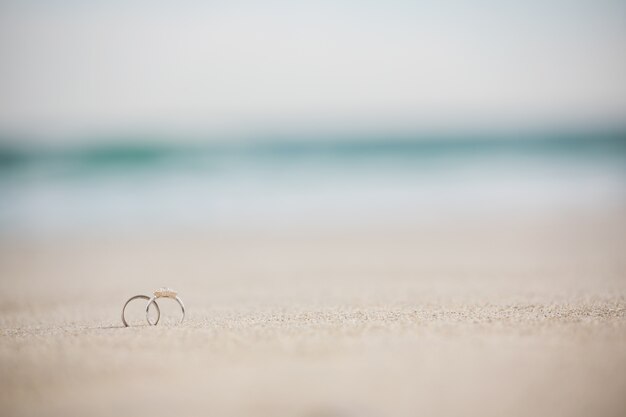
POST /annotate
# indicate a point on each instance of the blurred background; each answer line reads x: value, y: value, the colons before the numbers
x: 154, y: 115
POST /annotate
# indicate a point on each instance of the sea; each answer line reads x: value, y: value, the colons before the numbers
x: 139, y: 184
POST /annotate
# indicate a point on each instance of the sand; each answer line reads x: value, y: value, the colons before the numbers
x: 474, y: 317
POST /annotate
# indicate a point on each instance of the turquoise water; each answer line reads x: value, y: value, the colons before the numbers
x: 105, y: 156
x: 304, y: 182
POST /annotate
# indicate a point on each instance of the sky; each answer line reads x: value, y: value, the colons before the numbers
x: 71, y: 70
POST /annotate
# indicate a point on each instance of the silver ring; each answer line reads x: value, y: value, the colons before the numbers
x: 144, y: 297
x: 164, y: 293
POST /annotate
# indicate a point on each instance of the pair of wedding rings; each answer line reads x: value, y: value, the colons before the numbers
x: 158, y: 293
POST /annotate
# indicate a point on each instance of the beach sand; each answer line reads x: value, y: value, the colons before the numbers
x: 513, y: 316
